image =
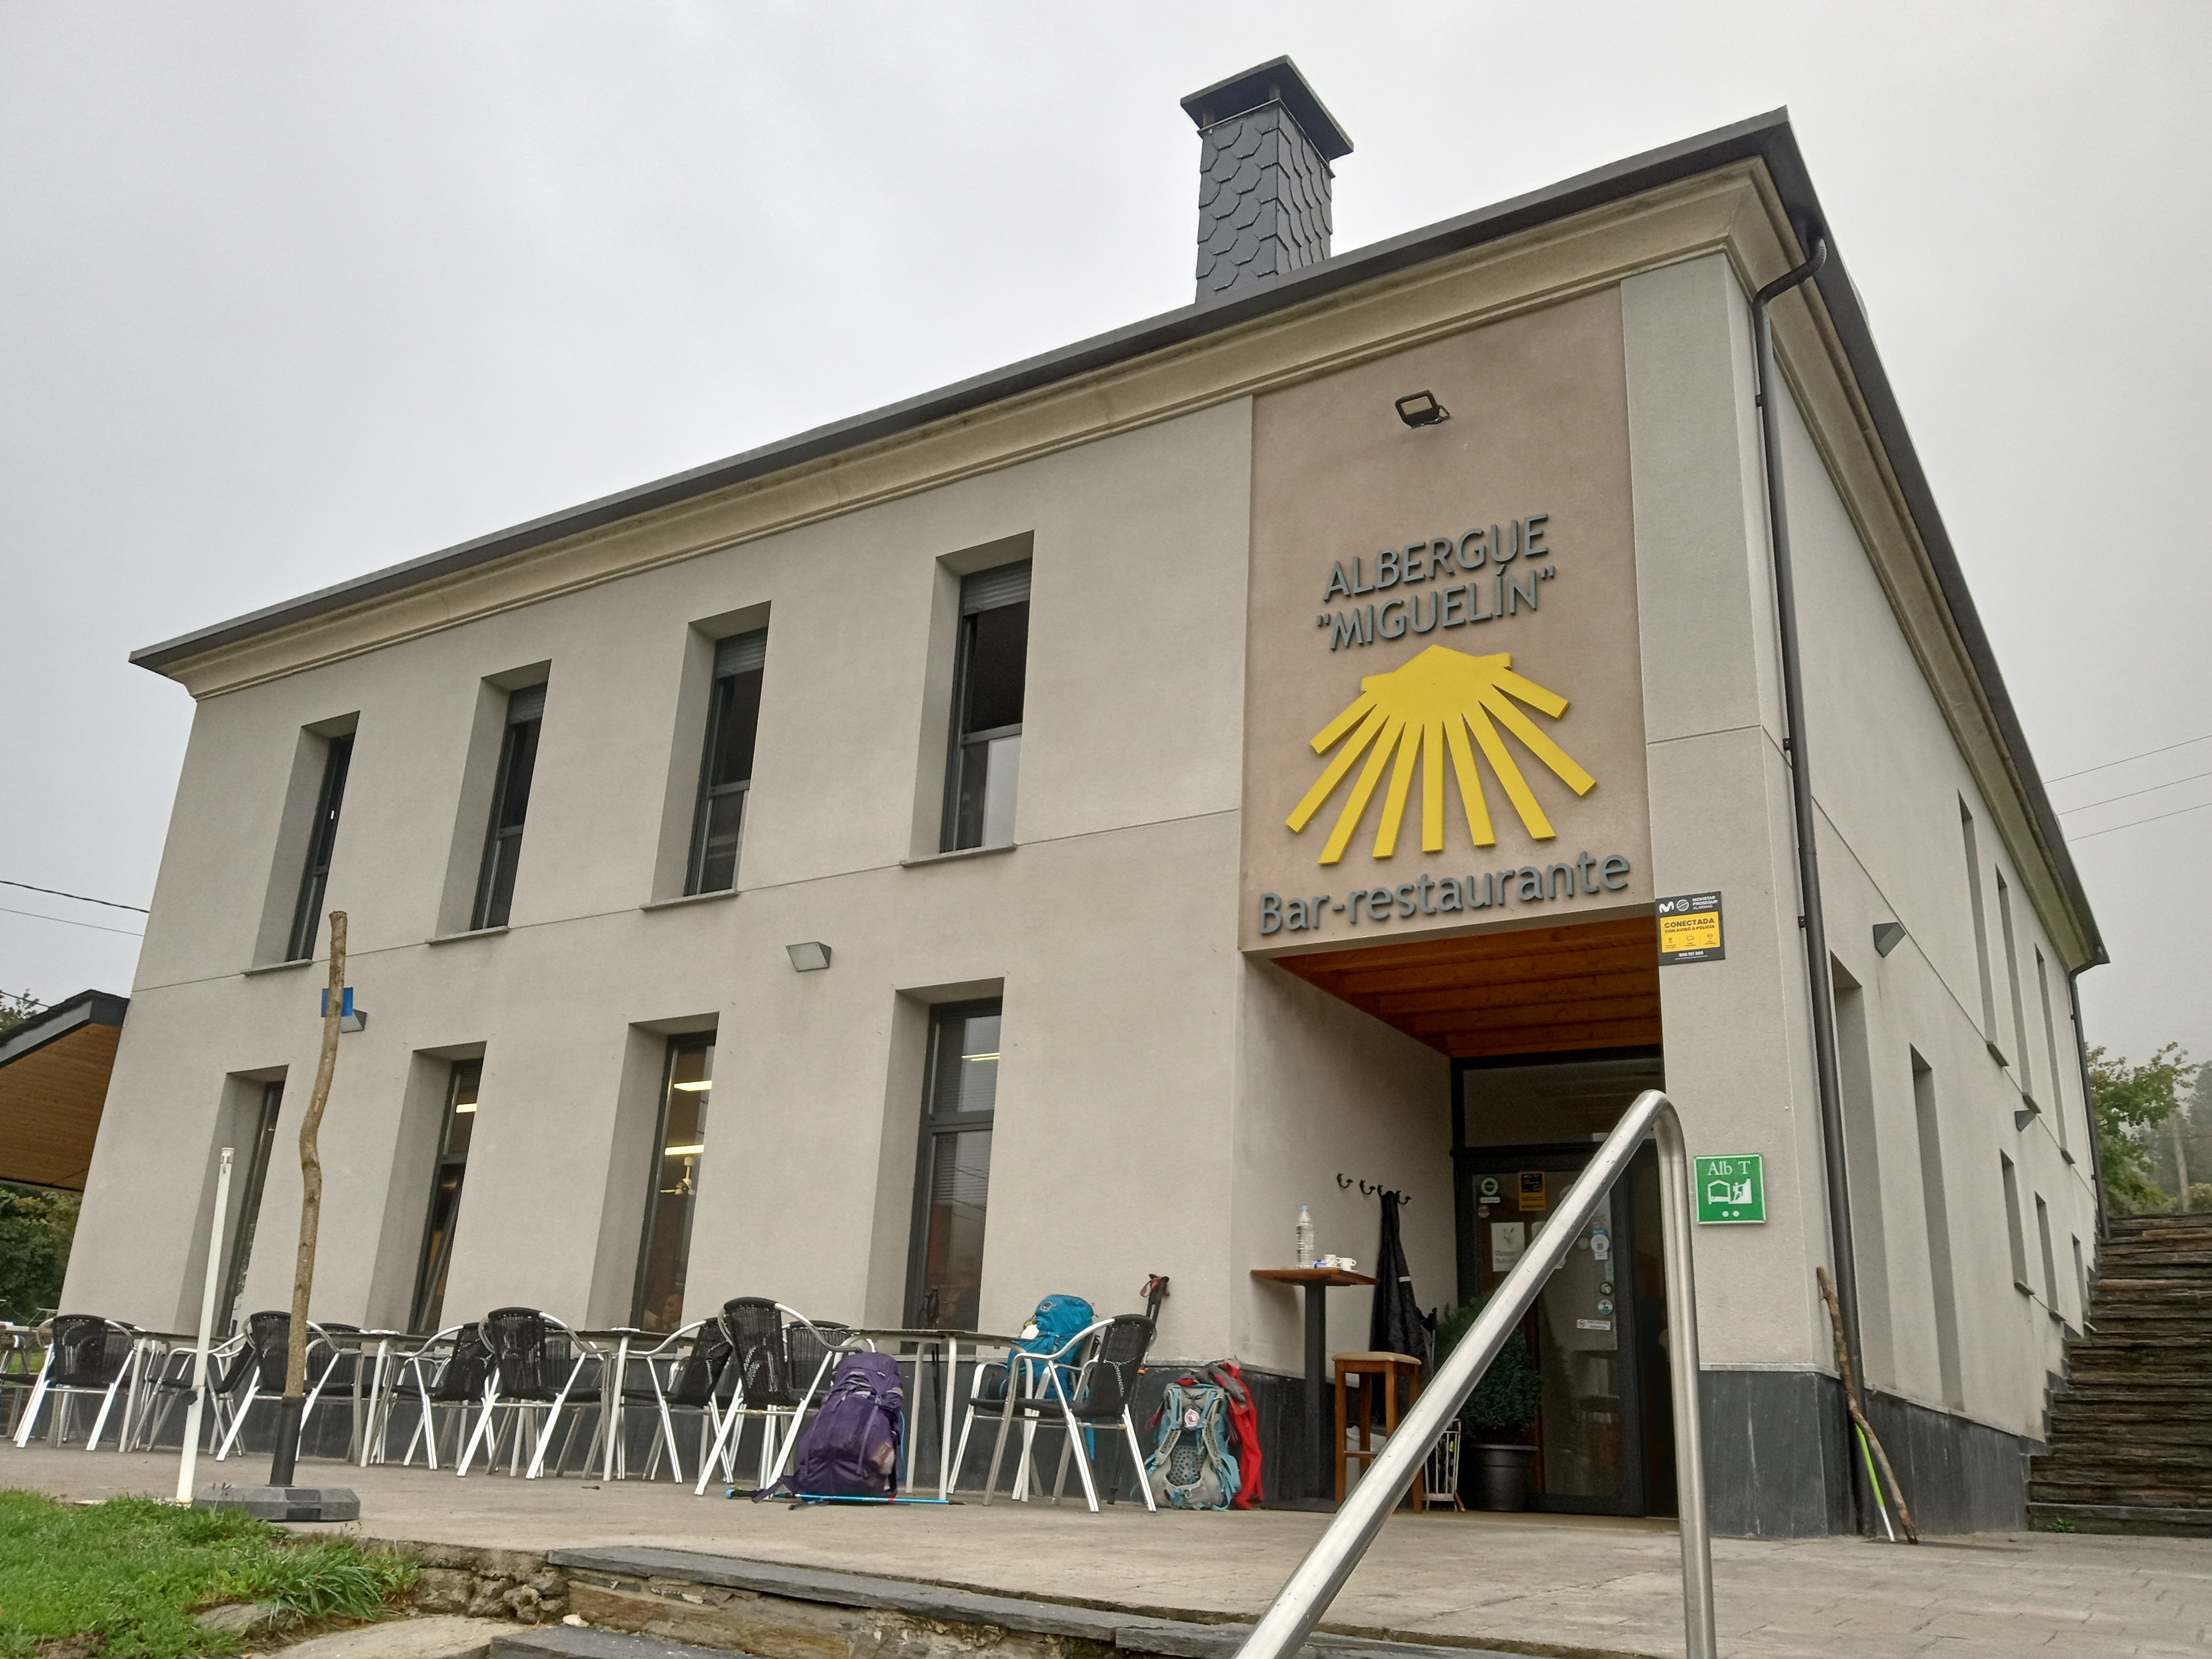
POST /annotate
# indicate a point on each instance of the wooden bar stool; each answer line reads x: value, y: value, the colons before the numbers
x: 1385, y: 1369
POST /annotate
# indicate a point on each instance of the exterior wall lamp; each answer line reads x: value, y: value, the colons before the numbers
x: 1887, y: 936
x: 808, y: 957
x: 1421, y: 409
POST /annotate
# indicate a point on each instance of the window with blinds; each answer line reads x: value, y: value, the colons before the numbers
x: 990, y: 675
x: 725, y: 771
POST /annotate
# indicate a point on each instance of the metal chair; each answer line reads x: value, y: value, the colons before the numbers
x: 768, y: 1356
x: 19, y: 1372
x: 268, y: 1334
x: 536, y: 1364
x: 1092, y: 1380
x: 448, y: 1371
x: 170, y: 1385
x: 689, y: 1371
x: 86, y: 1355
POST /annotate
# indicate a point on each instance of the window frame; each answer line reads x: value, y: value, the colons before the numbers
x: 687, y: 1043
x: 246, y: 1224
x: 934, y: 1126
x: 721, y: 697
x: 481, y: 916
x: 422, y: 1303
x: 322, y: 848
x: 960, y: 740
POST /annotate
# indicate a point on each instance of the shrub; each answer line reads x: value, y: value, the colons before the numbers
x: 1506, y: 1399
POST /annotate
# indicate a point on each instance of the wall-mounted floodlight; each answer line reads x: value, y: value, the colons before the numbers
x: 351, y: 1017
x: 2025, y: 1115
x: 1887, y: 936
x: 809, y: 956
x: 1422, y: 409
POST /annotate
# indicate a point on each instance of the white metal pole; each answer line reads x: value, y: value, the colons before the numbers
x: 207, y: 1322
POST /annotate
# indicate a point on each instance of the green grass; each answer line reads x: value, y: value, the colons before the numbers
x: 128, y: 1575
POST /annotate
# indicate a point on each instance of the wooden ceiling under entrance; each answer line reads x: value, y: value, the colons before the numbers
x: 1536, y: 990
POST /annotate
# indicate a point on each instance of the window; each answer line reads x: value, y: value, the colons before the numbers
x: 1936, y: 1206
x: 258, y: 1147
x: 989, y: 676
x: 2050, y: 1048
x: 2080, y: 1284
x: 959, y: 1106
x: 680, y: 1138
x: 446, y: 1195
x: 1981, y: 926
x: 2013, y: 1233
x: 2049, y: 1258
x: 307, y: 914
x: 726, y: 773
x: 510, y: 803
x: 2012, y: 982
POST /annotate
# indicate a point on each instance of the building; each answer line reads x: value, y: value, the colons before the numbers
x: 1050, y: 742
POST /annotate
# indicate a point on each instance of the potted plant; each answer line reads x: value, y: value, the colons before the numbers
x: 1503, y: 1402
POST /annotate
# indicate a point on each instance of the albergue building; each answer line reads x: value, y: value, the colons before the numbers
x: 1335, y: 733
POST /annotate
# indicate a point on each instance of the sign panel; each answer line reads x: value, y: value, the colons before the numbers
x: 1444, y: 690
x: 1732, y: 1188
x: 1690, y: 929
x: 1531, y: 1190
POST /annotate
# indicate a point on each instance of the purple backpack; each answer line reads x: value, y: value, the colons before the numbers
x: 851, y: 1450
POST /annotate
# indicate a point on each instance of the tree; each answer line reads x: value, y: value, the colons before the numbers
x: 2131, y: 1102
x: 16, y: 1008
x: 36, y: 1226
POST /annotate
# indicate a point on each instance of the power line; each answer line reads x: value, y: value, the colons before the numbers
x: 2154, y: 818
x: 65, y: 921
x: 2132, y: 793
x: 2125, y: 759
x: 79, y: 897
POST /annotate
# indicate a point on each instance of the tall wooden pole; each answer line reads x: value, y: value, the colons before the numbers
x: 311, y: 1214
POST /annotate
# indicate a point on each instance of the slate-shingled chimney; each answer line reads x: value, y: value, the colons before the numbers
x: 1263, y: 177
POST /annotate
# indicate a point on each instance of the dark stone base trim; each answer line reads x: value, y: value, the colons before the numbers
x: 2142, y: 1520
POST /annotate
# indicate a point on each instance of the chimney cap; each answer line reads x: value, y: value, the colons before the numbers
x: 1276, y: 80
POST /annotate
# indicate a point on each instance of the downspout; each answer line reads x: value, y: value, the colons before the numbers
x: 1811, y: 921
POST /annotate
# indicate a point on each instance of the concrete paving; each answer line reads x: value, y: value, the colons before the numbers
x: 436, y: 1638
x: 1550, y: 1584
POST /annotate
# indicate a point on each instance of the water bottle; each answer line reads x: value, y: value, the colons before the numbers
x: 1305, y: 1236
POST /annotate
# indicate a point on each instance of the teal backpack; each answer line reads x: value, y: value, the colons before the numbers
x: 1191, y: 1466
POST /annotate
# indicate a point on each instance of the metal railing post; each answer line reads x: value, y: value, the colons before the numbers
x: 1299, y: 1606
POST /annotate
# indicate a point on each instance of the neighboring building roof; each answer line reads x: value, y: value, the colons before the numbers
x: 53, y: 1081
x: 1767, y: 138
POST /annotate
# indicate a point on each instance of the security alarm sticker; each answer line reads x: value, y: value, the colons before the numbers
x: 1731, y: 1189
x: 1690, y: 929
x: 1531, y: 1190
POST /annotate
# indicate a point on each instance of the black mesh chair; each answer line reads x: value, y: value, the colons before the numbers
x: 779, y: 1367
x: 1089, y: 1383
x: 448, y: 1372
x: 537, y: 1364
x: 269, y: 1336
x: 689, y: 1371
x: 170, y: 1385
x: 86, y: 1355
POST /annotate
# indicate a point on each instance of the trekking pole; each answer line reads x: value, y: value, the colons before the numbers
x: 1858, y: 1416
x: 207, y: 1324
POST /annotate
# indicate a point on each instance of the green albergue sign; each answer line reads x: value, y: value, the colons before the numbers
x: 1732, y: 1188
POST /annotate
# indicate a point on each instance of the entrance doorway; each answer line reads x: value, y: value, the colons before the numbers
x: 1524, y: 1129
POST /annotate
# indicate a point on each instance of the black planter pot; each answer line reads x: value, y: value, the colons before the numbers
x: 1498, y: 1475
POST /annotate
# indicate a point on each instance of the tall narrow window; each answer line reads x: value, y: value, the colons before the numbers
x: 307, y: 914
x: 259, y: 1144
x: 2081, y: 1283
x: 446, y: 1195
x: 959, y: 1106
x: 510, y: 804
x: 1981, y: 924
x: 990, y: 676
x: 2015, y: 1231
x: 2012, y: 983
x: 726, y: 775
x: 1935, y: 1205
x: 2050, y: 1256
x: 679, y: 1142
x: 2050, y: 1048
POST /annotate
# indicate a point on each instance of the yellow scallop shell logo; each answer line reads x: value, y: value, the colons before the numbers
x: 1420, y: 711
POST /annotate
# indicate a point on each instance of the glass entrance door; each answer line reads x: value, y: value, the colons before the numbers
x: 1597, y: 1332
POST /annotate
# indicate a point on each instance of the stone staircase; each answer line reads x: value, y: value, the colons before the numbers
x: 2131, y: 1431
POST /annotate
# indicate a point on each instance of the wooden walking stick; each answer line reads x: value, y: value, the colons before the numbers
x: 1851, y: 1398
x: 311, y: 1215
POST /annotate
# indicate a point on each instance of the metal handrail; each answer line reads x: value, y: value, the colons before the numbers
x: 1305, y: 1596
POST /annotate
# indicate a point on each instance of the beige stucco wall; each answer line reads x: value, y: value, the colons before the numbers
x: 1887, y: 779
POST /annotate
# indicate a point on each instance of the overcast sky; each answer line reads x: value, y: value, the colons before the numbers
x: 288, y: 292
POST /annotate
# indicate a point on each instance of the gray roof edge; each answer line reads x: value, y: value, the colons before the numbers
x: 51, y: 1025
x: 1767, y: 137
